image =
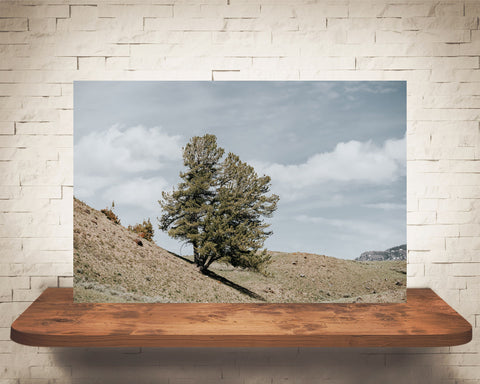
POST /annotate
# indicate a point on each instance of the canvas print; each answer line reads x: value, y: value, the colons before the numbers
x: 240, y: 192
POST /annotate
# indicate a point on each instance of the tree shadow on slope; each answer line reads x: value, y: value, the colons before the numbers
x: 225, y: 281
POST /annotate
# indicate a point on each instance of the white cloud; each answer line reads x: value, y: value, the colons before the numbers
x: 139, y: 192
x: 121, y: 160
x: 125, y: 150
x: 352, y: 161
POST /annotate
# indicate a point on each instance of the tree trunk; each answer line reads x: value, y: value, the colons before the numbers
x: 196, y: 258
x: 199, y: 262
x: 208, y: 262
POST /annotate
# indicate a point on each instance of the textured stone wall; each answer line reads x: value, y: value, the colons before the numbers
x: 46, y: 45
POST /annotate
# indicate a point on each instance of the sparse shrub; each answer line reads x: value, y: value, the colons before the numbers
x: 144, y: 230
x: 110, y: 214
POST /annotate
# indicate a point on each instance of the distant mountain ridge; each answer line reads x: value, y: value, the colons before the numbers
x: 395, y: 253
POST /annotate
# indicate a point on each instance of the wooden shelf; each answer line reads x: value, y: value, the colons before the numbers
x: 424, y: 321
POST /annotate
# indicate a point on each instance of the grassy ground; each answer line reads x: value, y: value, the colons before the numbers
x: 304, y: 277
x: 109, y: 266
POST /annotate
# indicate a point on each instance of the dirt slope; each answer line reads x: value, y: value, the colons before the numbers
x: 110, y: 267
x: 305, y: 277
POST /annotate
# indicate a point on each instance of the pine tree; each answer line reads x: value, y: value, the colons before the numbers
x: 186, y: 208
x: 242, y: 202
x: 218, y: 207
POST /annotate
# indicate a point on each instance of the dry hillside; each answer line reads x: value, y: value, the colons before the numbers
x: 305, y: 277
x: 109, y: 266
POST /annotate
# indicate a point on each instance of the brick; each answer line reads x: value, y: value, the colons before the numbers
x: 35, y: 10
x: 37, y: 128
x: 430, y: 36
x: 455, y: 282
x: 365, y: 23
x: 407, y: 10
x: 317, y: 63
x: 30, y: 89
x: 415, y: 270
x: 47, y: 244
x: 334, y: 9
x: 183, y: 24
x: 5, y: 334
x: 117, y: 63
x: 457, y: 75
x: 423, y: 243
x: 433, y: 231
x: 8, y: 313
x: 87, y: 43
x: 185, y: 10
x: 43, y: 63
x: 41, y: 283
x: 453, y: 22
x: 65, y: 282
x: 233, y: 63
x: 455, y: 62
x: 16, y: 50
x: 472, y: 8
x: 43, y: 256
x: 10, y: 284
x: 7, y: 128
x: 472, y: 102
x: 91, y: 63
x: 46, y: 269
x: 231, y: 49
x: 83, y: 17
x: 13, y: 24
x: 428, y: 205
x: 469, y: 229
x: 231, y: 10
x: 457, y: 205
x: 453, y: 217
x: 393, y: 63
x: 130, y: 11
x: 260, y: 24
x: 43, y: 25
x: 458, y: 243
x: 11, y: 269
x: 360, y: 36
x: 421, y: 218
x: 465, y: 192
x: 364, y: 9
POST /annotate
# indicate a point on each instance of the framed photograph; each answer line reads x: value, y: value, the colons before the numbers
x: 240, y: 191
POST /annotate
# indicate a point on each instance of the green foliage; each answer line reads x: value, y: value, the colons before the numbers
x: 218, y: 207
x: 110, y: 214
x: 144, y: 230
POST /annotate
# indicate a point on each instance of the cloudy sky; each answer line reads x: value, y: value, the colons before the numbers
x: 335, y: 151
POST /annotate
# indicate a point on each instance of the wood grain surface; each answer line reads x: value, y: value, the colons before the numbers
x: 425, y: 320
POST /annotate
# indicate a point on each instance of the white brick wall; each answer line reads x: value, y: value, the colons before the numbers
x: 45, y: 45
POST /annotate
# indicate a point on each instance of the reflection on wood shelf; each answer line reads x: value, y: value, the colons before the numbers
x: 424, y: 321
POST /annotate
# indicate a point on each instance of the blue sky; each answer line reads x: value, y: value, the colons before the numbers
x: 335, y: 151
